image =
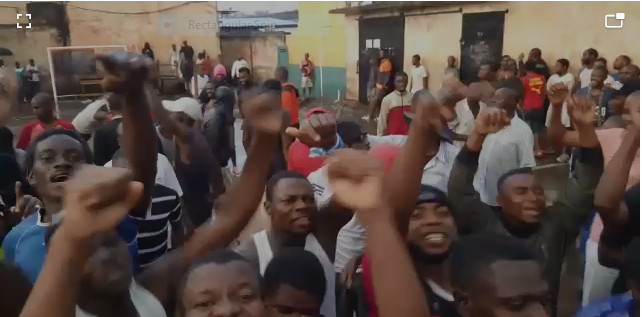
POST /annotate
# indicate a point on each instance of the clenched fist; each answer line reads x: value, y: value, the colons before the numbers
x: 356, y: 179
x: 97, y: 199
x: 125, y: 72
x: 491, y: 120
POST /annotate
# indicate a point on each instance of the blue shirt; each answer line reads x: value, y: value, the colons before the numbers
x: 24, y: 245
x: 604, y: 105
x: 621, y: 305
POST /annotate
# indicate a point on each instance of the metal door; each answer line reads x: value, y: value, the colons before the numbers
x: 482, y: 40
x: 282, y: 56
x: 376, y: 34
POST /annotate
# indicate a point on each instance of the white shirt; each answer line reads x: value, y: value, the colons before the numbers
x: 173, y: 57
x: 569, y: 80
x: 237, y: 65
x: 417, y: 75
x: 164, y: 174
x: 200, y: 84
x: 464, y: 122
x: 84, y: 121
x: 508, y: 149
x: 352, y: 236
x: 585, y: 78
x: 34, y: 76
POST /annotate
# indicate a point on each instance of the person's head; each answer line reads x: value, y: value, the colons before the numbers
x: 416, y: 59
x: 51, y: 160
x: 401, y: 81
x: 629, y: 72
x: 535, y: 54
x: 44, y: 107
x: 184, y: 43
x: 173, y: 47
x: 17, y: 64
x: 184, y: 111
x: 245, y: 76
x: 32, y: 62
x: 521, y: 196
x: 446, y: 114
x: 485, y: 71
x: 294, y: 284
x: 497, y: 275
x: 600, y: 62
x: 431, y: 229
x: 353, y: 135
x: 219, y: 73
x: 598, y: 76
x: 200, y: 69
x: 289, y: 201
x: 623, y: 98
x: 201, y: 55
x: 108, y: 272
x: 631, y: 101
x: 281, y: 73
x: 451, y: 61
x: 505, y: 58
x: 306, y: 56
x: 146, y: 46
x: 621, y: 61
x: 222, y: 283
x: 531, y: 66
x: 509, y: 68
x: 224, y: 96
x: 561, y: 66
x: 383, y: 53
x: 210, y: 89
x: 632, y: 268
x: 240, y: 58
x: 504, y: 98
x: 588, y: 56
x: 6, y: 141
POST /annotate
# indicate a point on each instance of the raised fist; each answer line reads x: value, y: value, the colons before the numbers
x: 356, y: 179
x: 125, y: 72
x: 581, y: 109
x: 491, y: 120
x: 319, y: 130
x: 263, y: 112
x: 97, y: 199
x: 557, y: 94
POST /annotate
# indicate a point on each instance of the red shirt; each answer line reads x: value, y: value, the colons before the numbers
x: 27, y: 131
x: 534, y: 86
x: 299, y: 159
x: 207, y: 65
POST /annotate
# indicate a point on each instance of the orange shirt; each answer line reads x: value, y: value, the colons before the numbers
x: 290, y: 101
x: 384, y: 67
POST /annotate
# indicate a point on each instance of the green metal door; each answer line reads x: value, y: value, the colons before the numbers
x: 282, y: 56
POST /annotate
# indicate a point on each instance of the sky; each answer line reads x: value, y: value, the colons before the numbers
x: 252, y: 6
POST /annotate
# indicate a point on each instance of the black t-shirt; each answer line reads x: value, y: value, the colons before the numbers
x: 188, y: 52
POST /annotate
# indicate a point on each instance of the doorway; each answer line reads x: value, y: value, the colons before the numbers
x: 374, y: 35
x: 482, y: 40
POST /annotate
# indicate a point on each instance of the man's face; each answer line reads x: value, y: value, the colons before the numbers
x: 511, y: 288
x: 559, y: 68
x: 401, y: 82
x: 43, y: 110
x: 173, y: 47
x: 522, y: 198
x: 534, y: 55
x: 56, y: 158
x: 587, y: 57
x: 620, y: 62
x: 415, y: 61
x: 31, y: 62
x: 210, y: 90
x: 628, y: 72
x: 243, y: 77
x: 306, y: 56
x: 431, y: 229
x: 598, y: 76
x: 292, y: 207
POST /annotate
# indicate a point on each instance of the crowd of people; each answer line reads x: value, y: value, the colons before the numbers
x: 125, y: 211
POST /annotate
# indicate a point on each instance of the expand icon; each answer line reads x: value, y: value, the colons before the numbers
x: 18, y: 15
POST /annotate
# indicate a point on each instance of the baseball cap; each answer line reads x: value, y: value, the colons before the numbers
x: 187, y: 105
x: 445, y: 133
x: 430, y: 194
x: 219, y: 70
x: 317, y: 110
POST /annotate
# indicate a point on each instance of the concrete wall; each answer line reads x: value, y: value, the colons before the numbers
x: 133, y: 23
x: 560, y: 30
x: 260, y: 51
x: 322, y: 35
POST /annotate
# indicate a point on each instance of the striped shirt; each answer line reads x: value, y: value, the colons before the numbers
x: 502, y: 152
x: 154, y: 224
x: 351, y: 238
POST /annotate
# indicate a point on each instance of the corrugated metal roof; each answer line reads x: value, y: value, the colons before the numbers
x: 377, y: 6
x: 269, y: 23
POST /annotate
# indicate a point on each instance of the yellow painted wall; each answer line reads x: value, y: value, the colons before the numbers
x: 318, y: 33
x: 560, y: 30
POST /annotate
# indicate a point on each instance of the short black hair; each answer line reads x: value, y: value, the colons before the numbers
x: 472, y: 255
x: 401, y: 74
x: 626, y: 57
x: 632, y: 260
x: 350, y: 132
x: 516, y: 171
x: 564, y: 62
x: 220, y: 257
x: 274, y: 180
x: 601, y: 69
x: 416, y: 56
x: 601, y: 59
x: 31, y: 150
x: 298, y: 268
x: 635, y: 67
x: 592, y: 52
x: 283, y: 72
x: 272, y: 85
x: 531, y: 66
x: 244, y: 70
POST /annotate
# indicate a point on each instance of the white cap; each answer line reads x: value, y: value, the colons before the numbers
x: 189, y: 106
